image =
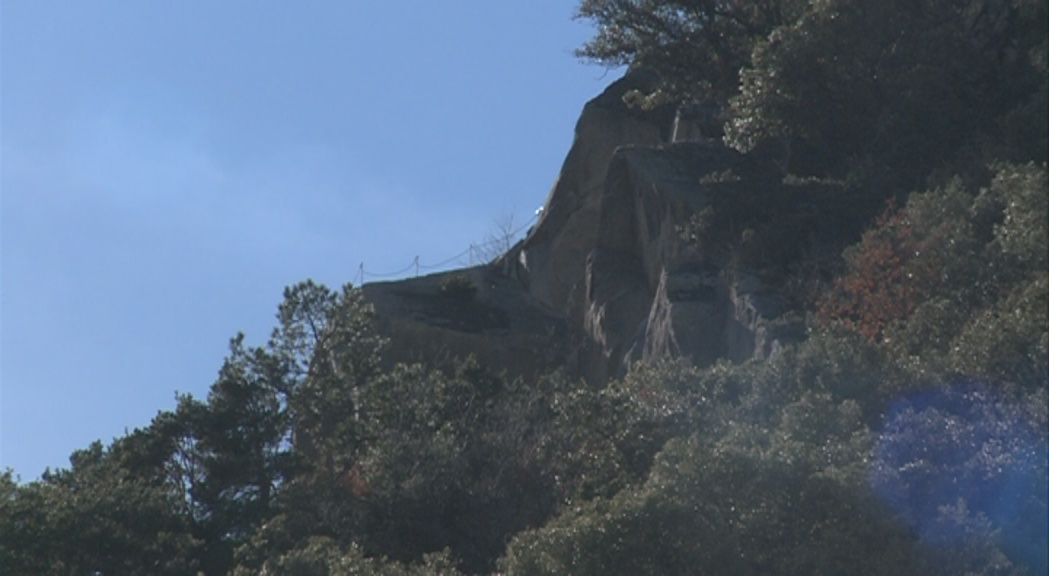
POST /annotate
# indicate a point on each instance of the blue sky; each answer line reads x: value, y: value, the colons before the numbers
x: 166, y: 168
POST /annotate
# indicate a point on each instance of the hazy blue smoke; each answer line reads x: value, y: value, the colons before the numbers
x: 958, y: 464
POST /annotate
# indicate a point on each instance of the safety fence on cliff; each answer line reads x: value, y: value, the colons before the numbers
x: 491, y: 249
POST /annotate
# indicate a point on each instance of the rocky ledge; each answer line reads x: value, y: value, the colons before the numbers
x: 605, y: 277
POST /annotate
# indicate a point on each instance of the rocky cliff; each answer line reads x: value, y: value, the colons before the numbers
x: 605, y: 278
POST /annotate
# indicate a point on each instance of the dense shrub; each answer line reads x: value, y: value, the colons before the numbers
x: 714, y: 509
x: 1023, y: 233
x: 1009, y: 343
x: 908, y: 255
x: 320, y: 556
x: 458, y: 287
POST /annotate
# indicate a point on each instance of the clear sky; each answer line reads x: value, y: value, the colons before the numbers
x: 166, y: 168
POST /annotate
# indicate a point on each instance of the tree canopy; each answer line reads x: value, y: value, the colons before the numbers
x: 906, y: 433
x: 883, y: 92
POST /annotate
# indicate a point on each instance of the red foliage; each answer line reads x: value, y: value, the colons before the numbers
x: 890, y: 273
x: 354, y: 480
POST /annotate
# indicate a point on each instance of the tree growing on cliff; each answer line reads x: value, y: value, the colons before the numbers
x: 698, y: 47
x: 881, y: 92
x: 888, y: 91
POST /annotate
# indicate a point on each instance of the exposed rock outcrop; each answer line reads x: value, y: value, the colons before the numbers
x: 439, y: 318
x: 605, y: 279
x: 647, y: 294
x: 551, y: 260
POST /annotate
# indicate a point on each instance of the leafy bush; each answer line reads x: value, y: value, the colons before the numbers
x: 1009, y: 343
x: 767, y: 223
x: 714, y: 509
x: 955, y: 281
x: 451, y: 463
x: 459, y: 287
x: 1023, y: 233
x: 697, y: 48
x: 321, y: 556
x: 907, y: 85
x: 97, y: 517
x: 907, y: 256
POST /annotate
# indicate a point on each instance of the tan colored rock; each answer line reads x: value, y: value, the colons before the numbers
x: 552, y: 258
x: 605, y: 278
x: 655, y: 298
x: 686, y: 311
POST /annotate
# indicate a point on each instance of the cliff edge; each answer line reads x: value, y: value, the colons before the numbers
x: 606, y: 277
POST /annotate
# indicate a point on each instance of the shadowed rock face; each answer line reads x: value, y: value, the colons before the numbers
x: 604, y: 279
x: 500, y: 323
x: 647, y: 295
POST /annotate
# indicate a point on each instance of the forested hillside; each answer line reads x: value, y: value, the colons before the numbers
x: 906, y: 433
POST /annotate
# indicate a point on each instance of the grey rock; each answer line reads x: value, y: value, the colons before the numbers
x: 604, y: 279
x: 552, y: 258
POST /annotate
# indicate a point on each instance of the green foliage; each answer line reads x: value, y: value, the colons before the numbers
x: 240, y: 448
x: 320, y: 556
x: 1009, y: 343
x: 697, y: 47
x: 601, y: 441
x: 829, y: 105
x: 841, y: 365
x: 96, y: 517
x: 766, y: 469
x: 750, y: 469
x: 883, y: 92
x: 1005, y: 335
x: 714, y: 509
x: 451, y: 464
x: 332, y: 339
x: 1021, y: 135
x: 956, y: 280
x: 1023, y: 234
x: 908, y: 255
x: 763, y: 222
x: 444, y: 461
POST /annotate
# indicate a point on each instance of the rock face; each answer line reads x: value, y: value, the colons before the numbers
x: 647, y: 295
x: 552, y: 258
x: 439, y: 318
x: 604, y: 279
